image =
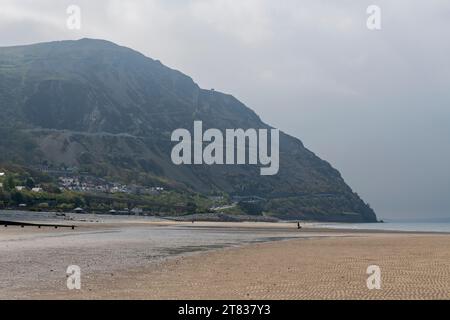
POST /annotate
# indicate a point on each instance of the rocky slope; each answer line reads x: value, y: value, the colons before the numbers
x: 109, y: 110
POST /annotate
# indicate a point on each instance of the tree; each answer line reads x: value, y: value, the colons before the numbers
x: 51, y: 188
x: 17, y: 197
x: 78, y: 201
x: 9, y: 183
x: 191, y: 207
x: 29, y: 183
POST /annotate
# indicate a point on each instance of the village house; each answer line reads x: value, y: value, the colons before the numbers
x: 78, y: 210
x: 137, y: 211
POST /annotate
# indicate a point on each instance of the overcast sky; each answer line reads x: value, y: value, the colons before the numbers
x: 375, y: 104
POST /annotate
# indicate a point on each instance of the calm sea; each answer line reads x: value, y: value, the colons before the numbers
x: 443, y: 226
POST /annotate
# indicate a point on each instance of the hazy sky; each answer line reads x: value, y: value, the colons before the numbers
x: 376, y: 104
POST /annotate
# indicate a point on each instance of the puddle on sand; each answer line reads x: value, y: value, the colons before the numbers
x: 200, y: 248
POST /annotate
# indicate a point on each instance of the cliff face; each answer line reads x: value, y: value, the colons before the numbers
x: 110, y: 111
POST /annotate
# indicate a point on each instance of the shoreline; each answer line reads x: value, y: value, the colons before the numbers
x: 71, y: 218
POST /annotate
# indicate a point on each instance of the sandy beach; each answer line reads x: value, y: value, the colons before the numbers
x: 172, y: 260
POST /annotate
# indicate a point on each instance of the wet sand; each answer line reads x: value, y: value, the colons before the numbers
x: 167, y: 260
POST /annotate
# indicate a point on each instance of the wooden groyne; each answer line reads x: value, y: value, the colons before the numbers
x: 39, y: 225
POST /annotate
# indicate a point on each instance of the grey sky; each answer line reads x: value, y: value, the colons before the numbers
x: 376, y: 104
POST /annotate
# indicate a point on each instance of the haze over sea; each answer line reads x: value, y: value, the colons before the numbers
x: 433, y: 225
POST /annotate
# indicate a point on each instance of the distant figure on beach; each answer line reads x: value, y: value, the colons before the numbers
x: 298, y: 225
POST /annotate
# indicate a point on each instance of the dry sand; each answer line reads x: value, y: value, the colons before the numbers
x: 328, y: 264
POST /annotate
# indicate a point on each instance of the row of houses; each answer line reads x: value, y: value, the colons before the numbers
x: 92, y: 184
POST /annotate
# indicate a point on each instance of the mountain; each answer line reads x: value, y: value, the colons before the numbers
x: 110, y: 111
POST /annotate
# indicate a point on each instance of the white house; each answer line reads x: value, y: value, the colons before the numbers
x: 20, y: 188
x: 36, y: 189
x: 137, y: 211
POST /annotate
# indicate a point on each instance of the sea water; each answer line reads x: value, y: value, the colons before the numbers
x: 441, y: 226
